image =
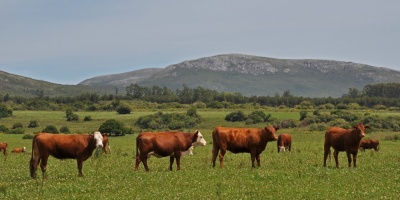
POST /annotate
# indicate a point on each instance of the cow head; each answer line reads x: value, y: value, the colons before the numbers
x: 271, y: 133
x: 198, y: 139
x: 98, y: 138
x: 282, y: 148
x: 360, y: 129
x: 23, y: 149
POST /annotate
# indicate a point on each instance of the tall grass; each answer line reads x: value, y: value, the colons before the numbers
x: 295, y: 175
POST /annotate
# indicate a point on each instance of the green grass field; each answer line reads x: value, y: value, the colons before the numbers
x: 295, y: 175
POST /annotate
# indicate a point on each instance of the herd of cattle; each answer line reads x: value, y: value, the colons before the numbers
x: 177, y: 144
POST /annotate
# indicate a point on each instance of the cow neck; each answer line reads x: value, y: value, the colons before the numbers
x: 91, y: 143
x: 190, y: 140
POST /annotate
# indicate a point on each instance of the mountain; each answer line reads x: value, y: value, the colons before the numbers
x: 249, y: 75
x: 254, y: 75
x: 16, y: 85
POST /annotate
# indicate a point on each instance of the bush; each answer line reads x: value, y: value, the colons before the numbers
x: 237, y: 116
x: 64, y: 129
x: 73, y: 117
x: 216, y: 105
x: 123, y: 109
x: 87, y: 118
x: 91, y: 108
x: 28, y: 136
x: 318, y: 127
x: 113, y: 127
x: 17, y: 125
x: 16, y: 131
x: 3, y: 129
x: 68, y: 112
x: 33, y: 124
x: 172, y: 121
x: 50, y: 129
x: 4, y: 111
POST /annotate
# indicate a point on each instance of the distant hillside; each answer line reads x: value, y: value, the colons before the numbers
x: 249, y: 75
x: 27, y: 87
x: 253, y: 75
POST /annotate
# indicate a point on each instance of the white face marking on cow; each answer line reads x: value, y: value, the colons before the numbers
x: 200, y: 140
x: 99, y: 139
x: 281, y: 148
x: 24, y: 149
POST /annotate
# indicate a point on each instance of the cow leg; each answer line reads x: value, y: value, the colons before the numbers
x: 258, y: 160
x: 336, y: 156
x: 178, y: 162
x: 144, y: 160
x: 43, y: 164
x: 80, y: 163
x: 326, y: 153
x: 215, y: 151
x: 354, y: 159
x: 137, y: 163
x: 221, y: 157
x: 171, y: 162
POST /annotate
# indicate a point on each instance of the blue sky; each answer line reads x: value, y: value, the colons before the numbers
x: 67, y: 42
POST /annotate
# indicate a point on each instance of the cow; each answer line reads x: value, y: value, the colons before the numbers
x: 241, y: 140
x: 344, y: 140
x: 284, y: 142
x: 19, y: 150
x: 369, y: 144
x: 106, y: 144
x: 162, y: 144
x: 3, y: 147
x: 65, y: 146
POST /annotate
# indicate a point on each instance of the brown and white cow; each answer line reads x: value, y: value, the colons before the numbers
x: 369, y: 144
x: 241, y: 140
x: 3, y: 147
x: 284, y: 142
x: 106, y: 144
x: 162, y: 144
x: 19, y: 150
x: 61, y: 146
x: 344, y: 140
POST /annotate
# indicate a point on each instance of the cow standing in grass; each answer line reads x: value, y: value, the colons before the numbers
x: 369, y: 144
x: 284, y: 142
x: 71, y: 146
x: 347, y: 140
x: 3, y: 147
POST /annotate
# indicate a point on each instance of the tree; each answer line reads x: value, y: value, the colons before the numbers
x: 113, y: 127
x: 50, y: 129
x: 123, y: 109
x: 4, y: 111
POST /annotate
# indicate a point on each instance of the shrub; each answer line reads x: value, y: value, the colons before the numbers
x: 50, y: 129
x: 303, y: 115
x: 87, y: 118
x: 68, y: 112
x: 16, y: 131
x: 318, y: 127
x: 237, y: 116
x: 73, y: 117
x: 173, y: 121
x: 33, y: 124
x: 28, y: 136
x: 4, y: 111
x: 64, y: 129
x: 192, y: 112
x: 288, y: 123
x: 123, y: 109
x: 17, y: 125
x: 216, y: 105
x: 3, y: 129
x: 113, y: 127
x: 91, y: 108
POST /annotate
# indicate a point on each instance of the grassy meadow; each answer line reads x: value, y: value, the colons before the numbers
x: 295, y: 175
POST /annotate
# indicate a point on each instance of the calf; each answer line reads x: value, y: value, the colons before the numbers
x: 3, y: 147
x: 19, y: 150
x: 163, y: 144
x: 72, y: 146
x: 344, y: 140
x: 284, y: 142
x: 106, y: 144
x: 241, y: 140
x: 369, y: 144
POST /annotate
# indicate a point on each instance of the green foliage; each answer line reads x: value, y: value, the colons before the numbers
x: 17, y: 125
x: 123, y: 109
x: 64, y: 129
x: 303, y: 115
x: 236, y: 116
x: 87, y: 118
x: 50, y: 129
x: 3, y: 129
x: 113, y: 127
x: 73, y: 117
x: 215, y: 105
x: 172, y: 121
x: 4, y: 111
x: 16, y: 131
x: 33, y: 124
x: 28, y: 136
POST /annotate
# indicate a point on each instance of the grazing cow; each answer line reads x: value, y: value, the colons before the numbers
x: 19, y: 150
x: 163, y: 144
x: 106, y: 144
x: 3, y: 147
x: 284, y: 142
x: 72, y: 146
x: 369, y: 144
x: 241, y: 140
x: 344, y: 140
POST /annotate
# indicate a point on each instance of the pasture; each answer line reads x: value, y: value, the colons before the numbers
x: 295, y: 175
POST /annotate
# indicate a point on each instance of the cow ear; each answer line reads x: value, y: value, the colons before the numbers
x: 196, y: 132
x: 276, y: 128
x: 366, y: 127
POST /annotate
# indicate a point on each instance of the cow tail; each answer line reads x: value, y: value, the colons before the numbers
x: 137, y: 146
x: 31, y: 162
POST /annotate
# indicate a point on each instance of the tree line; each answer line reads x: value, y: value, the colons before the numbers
x: 385, y: 94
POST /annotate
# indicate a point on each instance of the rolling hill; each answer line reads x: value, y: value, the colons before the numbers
x: 249, y: 75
